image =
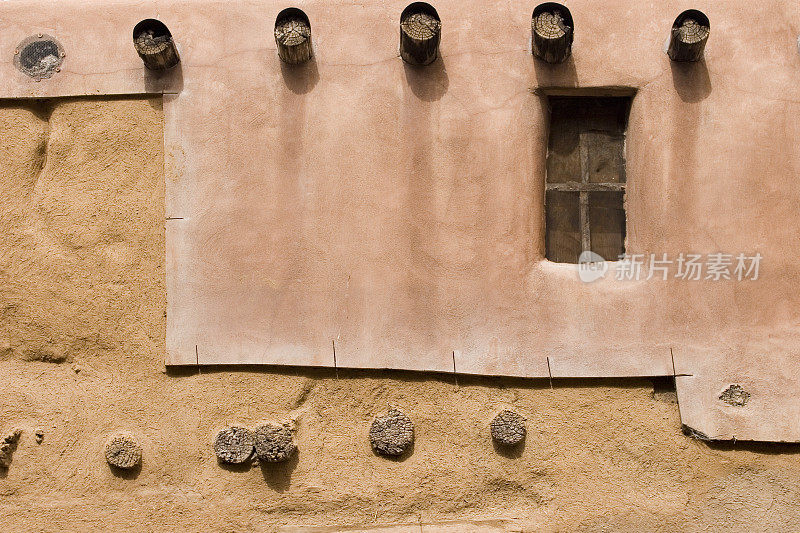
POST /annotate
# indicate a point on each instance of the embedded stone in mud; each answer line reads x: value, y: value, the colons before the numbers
x: 234, y: 445
x: 392, y: 433
x: 123, y: 451
x: 508, y: 428
x: 274, y: 442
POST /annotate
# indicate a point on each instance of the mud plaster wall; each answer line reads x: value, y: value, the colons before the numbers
x: 82, y: 342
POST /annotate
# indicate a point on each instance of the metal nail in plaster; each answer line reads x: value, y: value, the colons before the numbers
x: 39, y: 56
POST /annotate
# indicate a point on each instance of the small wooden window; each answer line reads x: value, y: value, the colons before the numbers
x: 585, y: 187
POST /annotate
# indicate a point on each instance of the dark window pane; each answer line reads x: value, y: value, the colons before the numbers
x: 604, y: 156
x: 586, y: 145
x: 605, y: 114
x: 590, y: 132
x: 563, y: 238
x: 607, y: 224
x: 563, y: 154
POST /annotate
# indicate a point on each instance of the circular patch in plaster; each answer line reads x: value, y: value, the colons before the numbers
x: 39, y: 56
x: 274, y: 442
x: 392, y: 433
x: 123, y: 451
x: 735, y: 395
x: 508, y: 428
x: 234, y: 445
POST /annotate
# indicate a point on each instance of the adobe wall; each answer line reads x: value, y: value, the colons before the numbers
x: 403, y: 207
x: 82, y: 340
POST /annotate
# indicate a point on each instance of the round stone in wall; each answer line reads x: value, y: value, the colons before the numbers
x: 234, y: 445
x: 392, y: 433
x: 123, y: 451
x: 274, y: 442
x: 508, y: 428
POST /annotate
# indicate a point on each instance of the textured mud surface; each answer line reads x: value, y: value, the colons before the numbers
x: 7, y: 447
x: 82, y: 324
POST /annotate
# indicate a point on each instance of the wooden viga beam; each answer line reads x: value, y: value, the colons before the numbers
x: 552, y: 32
x: 153, y: 42
x: 293, y: 36
x: 688, y: 36
x: 420, y: 33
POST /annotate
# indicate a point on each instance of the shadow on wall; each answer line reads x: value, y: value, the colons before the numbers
x: 279, y: 475
x: 691, y: 80
x: 510, y: 452
x: 411, y: 376
x: 163, y: 81
x: 767, y: 448
x: 237, y: 467
x: 300, y: 79
x: 122, y: 473
x: 556, y: 75
x: 428, y: 83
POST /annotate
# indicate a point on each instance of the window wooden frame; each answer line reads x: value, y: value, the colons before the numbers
x: 582, y: 185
